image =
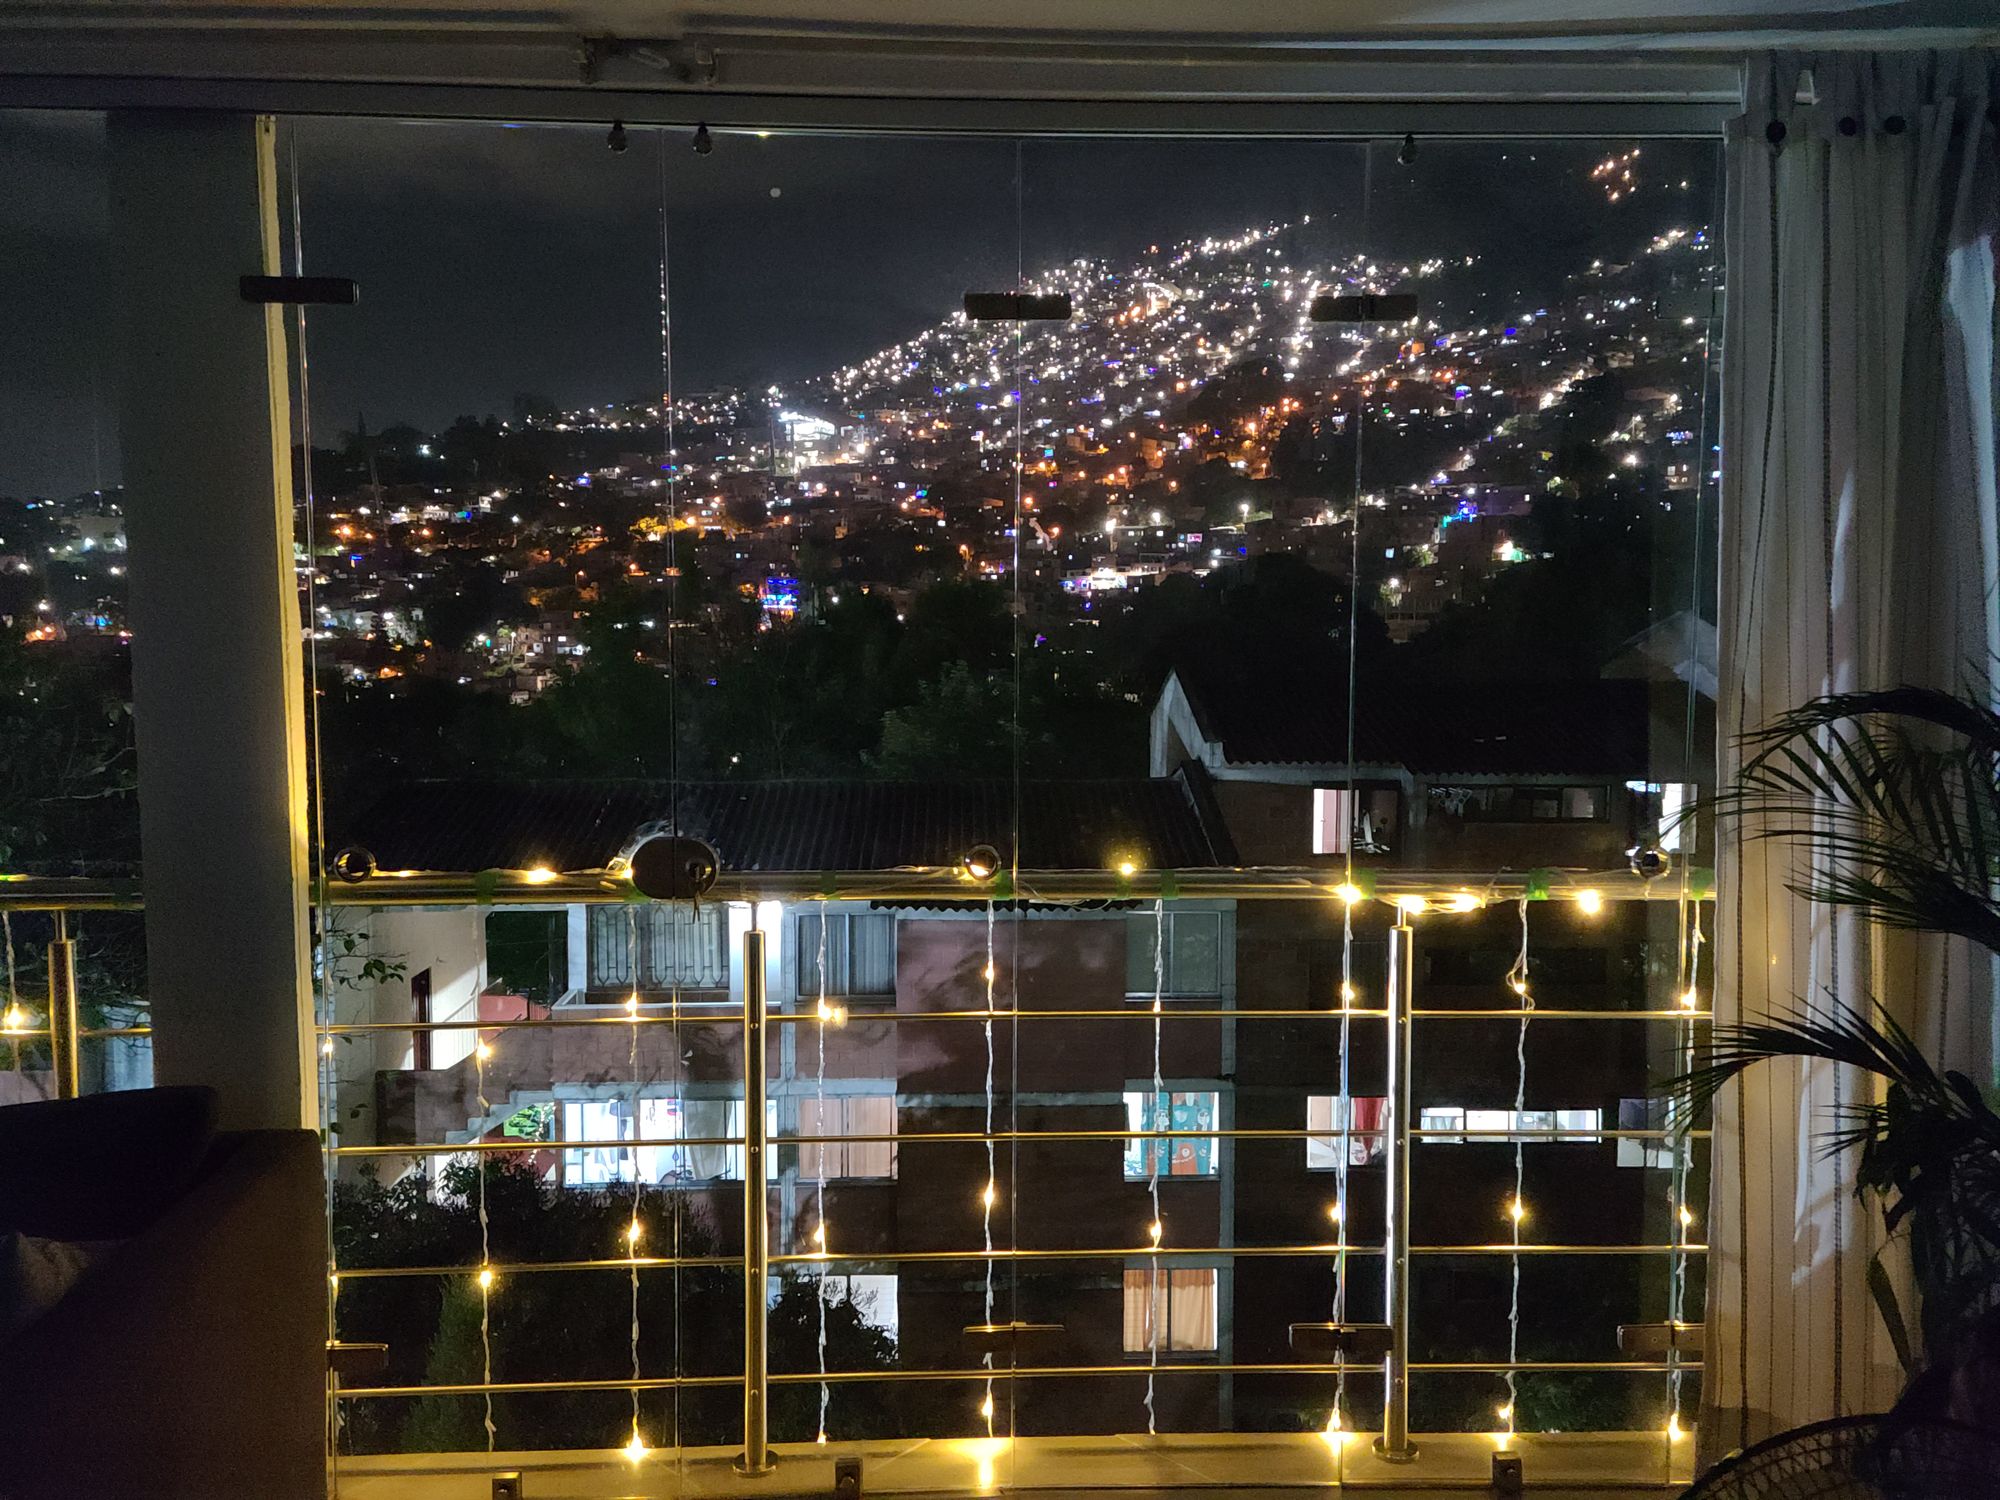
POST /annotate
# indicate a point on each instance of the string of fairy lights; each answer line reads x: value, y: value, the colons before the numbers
x: 991, y: 1194
x: 1517, y: 1207
x: 1156, y: 1296
x: 825, y: 1014
x: 635, y: 1446
x: 482, y: 1052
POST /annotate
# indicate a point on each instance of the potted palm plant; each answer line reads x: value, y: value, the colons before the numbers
x: 1895, y: 795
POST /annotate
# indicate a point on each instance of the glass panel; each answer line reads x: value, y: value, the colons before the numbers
x: 68, y: 798
x: 1200, y: 612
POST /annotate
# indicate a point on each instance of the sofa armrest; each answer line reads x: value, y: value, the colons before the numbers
x: 192, y: 1362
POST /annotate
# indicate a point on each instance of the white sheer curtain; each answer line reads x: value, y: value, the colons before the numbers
x: 1859, y: 551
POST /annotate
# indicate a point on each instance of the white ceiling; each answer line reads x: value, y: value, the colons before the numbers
x: 580, y: 58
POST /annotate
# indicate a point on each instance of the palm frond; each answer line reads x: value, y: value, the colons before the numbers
x: 1897, y: 793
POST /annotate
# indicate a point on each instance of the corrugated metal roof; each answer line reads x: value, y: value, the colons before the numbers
x: 768, y: 827
x: 1286, y: 713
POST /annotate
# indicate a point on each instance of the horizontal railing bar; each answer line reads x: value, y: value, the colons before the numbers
x: 1179, y: 1010
x: 1468, y: 1135
x: 1175, y: 1010
x: 1018, y: 1372
x: 1544, y: 1013
x: 531, y: 888
x: 968, y: 1257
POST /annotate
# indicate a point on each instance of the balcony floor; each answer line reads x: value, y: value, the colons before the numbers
x: 1560, y: 1466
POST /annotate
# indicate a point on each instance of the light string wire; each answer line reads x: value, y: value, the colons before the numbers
x: 324, y: 997
x: 1162, y: 1116
x: 820, y: 1240
x: 677, y: 1205
x: 1681, y: 1143
x: 1517, y: 981
x: 991, y: 1191
x: 635, y: 1448
x: 1346, y: 1121
x: 16, y: 1019
x: 480, y: 1052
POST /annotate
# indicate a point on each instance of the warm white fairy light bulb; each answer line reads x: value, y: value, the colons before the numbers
x: 1155, y: 1229
x: 325, y: 1047
x: 632, y: 1004
x: 1347, y: 994
x: 635, y: 1449
x: 1127, y: 869
x: 485, y: 1278
x: 1333, y: 1211
x: 990, y: 1195
x: 1590, y: 902
x: 16, y: 1019
x: 1674, y: 1430
x: 1516, y: 1210
x: 1687, y: 1217
x: 986, y: 1407
x: 1412, y: 905
x: 1349, y: 894
x: 484, y: 1050
x: 1505, y: 1412
x: 634, y: 1232
x: 1463, y: 902
x: 1689, y: 999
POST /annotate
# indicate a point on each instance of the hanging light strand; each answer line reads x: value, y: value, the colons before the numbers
x: 821, y: 1244
x: 635, y: 1230
x: 1156, y: 1297
x: 480, y: 1051
x: 1682, y: 1145
x: 1343, y: 1146
x: 1517, y: 981
x: 986, y: 1198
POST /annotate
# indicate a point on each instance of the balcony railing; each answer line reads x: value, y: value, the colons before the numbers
x: 1375, y: 1334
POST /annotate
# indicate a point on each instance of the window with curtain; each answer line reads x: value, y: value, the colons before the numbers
x: 1329, y: 1112
x: 676, y: 947
x: 860, y: 954
x: 848, y: 1114
x: 1171, y: 1309
x: 1177, y: 1156
x: 1193, y: 967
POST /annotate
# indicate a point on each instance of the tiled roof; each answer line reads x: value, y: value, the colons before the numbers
x: 1293, y: 714
x: 793, y: 826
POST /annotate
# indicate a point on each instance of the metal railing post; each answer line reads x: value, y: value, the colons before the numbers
x: 756, y: 1455
x: 62, y: 1012
x: 1394, y: 1443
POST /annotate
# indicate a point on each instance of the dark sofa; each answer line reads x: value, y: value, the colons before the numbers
x: 190, y: 1360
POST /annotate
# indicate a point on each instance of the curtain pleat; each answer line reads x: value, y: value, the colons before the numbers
x: 1859, y: 521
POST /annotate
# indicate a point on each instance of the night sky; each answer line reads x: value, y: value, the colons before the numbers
x: 495, y: 261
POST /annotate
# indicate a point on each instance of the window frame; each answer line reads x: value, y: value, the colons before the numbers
x: 1162, y: 1273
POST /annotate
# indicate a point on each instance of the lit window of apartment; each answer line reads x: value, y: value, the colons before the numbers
x: 698, y: 1140
x: 1171, y: 1156
x: 1461, y: 1125
x: 859, y: 956
x: 675, y: 947
x: 1330, y: 1113
x: 1191, y: 967
x: 1173, y: 1310
x: 1361, y: 819
x: 848, y: 1114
